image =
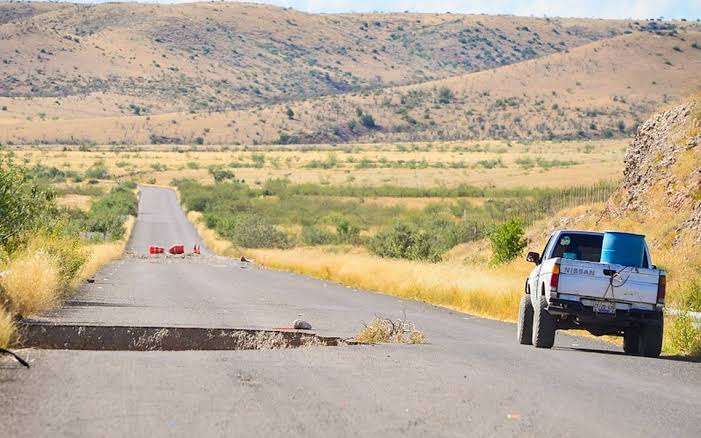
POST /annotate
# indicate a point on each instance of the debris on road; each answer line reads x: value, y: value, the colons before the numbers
x: 301, y: 324
x: 21, y: 361
x: 385, y: 330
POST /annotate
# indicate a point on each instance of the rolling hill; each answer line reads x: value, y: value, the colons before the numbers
x: 231, y: 73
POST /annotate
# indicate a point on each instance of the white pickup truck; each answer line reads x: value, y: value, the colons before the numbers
x: 571, y: 289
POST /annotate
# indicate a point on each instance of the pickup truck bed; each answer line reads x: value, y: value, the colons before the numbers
x: 570, y: 289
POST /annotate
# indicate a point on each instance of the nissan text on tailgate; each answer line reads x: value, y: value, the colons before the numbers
x: 601, y: 282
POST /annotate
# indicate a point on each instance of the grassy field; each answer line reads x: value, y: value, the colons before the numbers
x: 488, y: 163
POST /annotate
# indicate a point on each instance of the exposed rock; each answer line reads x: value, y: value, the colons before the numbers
x: 300, y: 324
x: 663, y: 168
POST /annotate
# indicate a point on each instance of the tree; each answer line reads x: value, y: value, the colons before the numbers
x: 507, y: 241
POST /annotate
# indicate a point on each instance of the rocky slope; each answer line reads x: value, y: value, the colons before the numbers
x: 662, y: 175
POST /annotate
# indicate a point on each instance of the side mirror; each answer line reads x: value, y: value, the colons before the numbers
x: 533, y: 257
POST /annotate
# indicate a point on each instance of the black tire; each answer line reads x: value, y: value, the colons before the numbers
x: 651, y: 339
x: 631, y: 341
x: 543, y: 326
x: 524, y: 331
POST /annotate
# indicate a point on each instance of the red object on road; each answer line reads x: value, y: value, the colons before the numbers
x: 177, y: 249
x: 196, y: 249
x: 155, y: 250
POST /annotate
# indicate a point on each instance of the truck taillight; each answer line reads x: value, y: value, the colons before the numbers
x: 661, y: 289
x: 555, y: 277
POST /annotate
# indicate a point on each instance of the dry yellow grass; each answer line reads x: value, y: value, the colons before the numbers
x: 31, y: 283
x: 463, y: 163
x: 81, y: 202
x: 478, y: 290
x: 7, y: 327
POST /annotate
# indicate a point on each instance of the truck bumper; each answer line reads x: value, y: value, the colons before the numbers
x: 573, y: 314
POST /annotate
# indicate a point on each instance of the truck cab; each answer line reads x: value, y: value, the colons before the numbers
x: 571, y: 288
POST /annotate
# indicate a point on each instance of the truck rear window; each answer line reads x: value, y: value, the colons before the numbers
x: 585, y: 247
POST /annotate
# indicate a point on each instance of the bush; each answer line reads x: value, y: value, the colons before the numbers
x: 684, y: 337
x: 24, y: 205
x: 404, y: 241
x: 445, y: 95
x: 220, y: 175
x: 507, y: 241
x: 312, y: 235
x: 346, y: 231
x: 368, y: 121
x: 97, y: 171
x: 691, y: 295
x: 108, y: 213
x: 252, y: 231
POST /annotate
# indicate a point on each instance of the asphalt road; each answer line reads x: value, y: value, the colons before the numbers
x: 471, y: 379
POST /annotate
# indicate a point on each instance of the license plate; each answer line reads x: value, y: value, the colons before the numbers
x: 605, y: 307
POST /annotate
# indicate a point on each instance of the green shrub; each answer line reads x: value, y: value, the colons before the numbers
x: 312, y: 235
x: 683, y: 335
x: 507, y: 241
x: 368, y: 121
x: 220, y: 174
x: 24, y: 206
x: 97, y: 171
x: 254, y: 231
x: 691, y: 295
x: 108, y: 213
x: 346, y: 231
x: 404, y: 241
x: 445, y: 95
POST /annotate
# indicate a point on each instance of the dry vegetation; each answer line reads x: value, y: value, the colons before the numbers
x: 385, y: 330
x: 483, y: 163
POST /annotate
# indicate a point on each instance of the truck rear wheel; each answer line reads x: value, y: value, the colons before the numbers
x: 651, y: 339
x: 631, y: 341
x: 543, y: 326
x: 524, y: 332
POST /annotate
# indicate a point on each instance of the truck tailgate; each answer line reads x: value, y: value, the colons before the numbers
x: 590, y: 279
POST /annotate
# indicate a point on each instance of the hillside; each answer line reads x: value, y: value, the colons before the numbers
x: 228, y: 73
x: 214, y: 56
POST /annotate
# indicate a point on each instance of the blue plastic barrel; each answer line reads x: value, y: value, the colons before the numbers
x: 625, y: 249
